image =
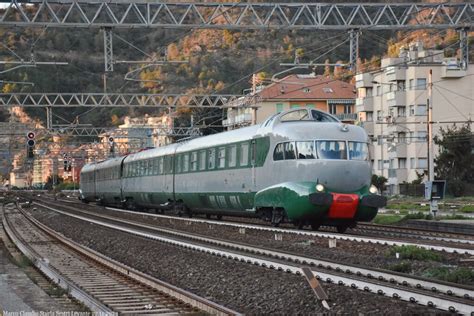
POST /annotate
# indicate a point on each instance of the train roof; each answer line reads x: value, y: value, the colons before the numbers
x: 112, y: 162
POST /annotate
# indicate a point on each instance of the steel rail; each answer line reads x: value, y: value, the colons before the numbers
x: 344, y: 274
x: 140, y: 277
x: 316, y: 233
x: 54, y: 275
x: 239, y: 15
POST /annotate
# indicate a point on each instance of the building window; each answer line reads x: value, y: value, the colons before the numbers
x: 307, y: 90
x: 379, y: 90
x: 347, y: 109
x: 420, y: 84
x: 421, y: 109
x: 279, y: 107
x: 327, y: 90
x: 402, y: 137
x: 332, y: 108
x: 401, y: 85
x: 369, y: 116
x: 379, y: 115
x: 412, y: 110
x: 411, y: 83
x: 310, y: 105
x: 422, y: 136
x: 412, y: 163
x: 402, y: 163
x: 422, y: 163
x: 379, y: 164
x: 368, y: 92
x: 401, y: 111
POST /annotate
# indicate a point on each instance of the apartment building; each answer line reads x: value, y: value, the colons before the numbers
x: 327, y: 94
x: 392, y: 106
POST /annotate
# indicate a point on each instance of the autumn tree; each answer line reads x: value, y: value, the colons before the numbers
x: 454, y: 160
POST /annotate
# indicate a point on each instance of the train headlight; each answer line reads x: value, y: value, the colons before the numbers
x: 319, y: 187
x: 373, y: 189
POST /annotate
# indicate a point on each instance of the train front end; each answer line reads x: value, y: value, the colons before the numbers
x: 321, y: 175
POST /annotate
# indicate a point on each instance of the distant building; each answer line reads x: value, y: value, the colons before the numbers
x: 392, y: 107
x: 327, y: 94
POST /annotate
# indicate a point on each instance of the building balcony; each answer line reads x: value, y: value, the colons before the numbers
x: 364, y: 104
x: 452, y: 72
x: 395, y: 73
x: 241, y: 119
x: 400, y: 175
x: 396, y: 98
x: 364, y: 80
x: 346, y: 117
x: 399, y: 150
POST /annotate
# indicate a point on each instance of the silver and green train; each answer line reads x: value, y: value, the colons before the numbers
x: 301, y: 166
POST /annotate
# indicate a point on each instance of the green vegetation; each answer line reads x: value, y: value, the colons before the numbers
x: 414, y: 253
x: 403, y: 267
x: 419, y: 215
x: 408, y: 206
x: 387, y: 219
x: 457, y: 275
x: 23, y: 262
x: 467, y: 208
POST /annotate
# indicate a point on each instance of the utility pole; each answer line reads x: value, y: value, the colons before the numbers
x: 433, y: 202
x: 254, y: 90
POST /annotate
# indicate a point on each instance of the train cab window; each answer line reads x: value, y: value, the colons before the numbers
x: 185, y: 162
x: 322, y: 117
x: 330, y: 149
x: 232, y: 155
x: 202, y: 160
x: 358, y: 151
x: 278, y: 152
x: 211, y: 162
x: 305, y: 150
x: 244, y: 154
x: 221, y: 158
x: 194, y: 160
x: 289, y: 148
x: 299, y: 115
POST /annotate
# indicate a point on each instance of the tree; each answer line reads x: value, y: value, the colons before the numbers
x: 379, y: 182
x: 454, y: 161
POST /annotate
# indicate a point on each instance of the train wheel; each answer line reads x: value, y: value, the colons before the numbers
x: 341, y: 229
x: 219, y: 217
x: 300, y: 225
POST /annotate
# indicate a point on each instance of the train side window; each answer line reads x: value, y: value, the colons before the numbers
x: 148, y: 167
x: 278, y: 153
x: 185, y: 162
x: 289, y: 148
x: 194, y: 160
x: 232, y: 155
x: 211, y: 163
x: 244, y: 154
x: 221, y: 158
x: 305, y: 150
x: 202, y: 160
x: 178, y: 164
x: 155, y: 166
x: 160, y: 165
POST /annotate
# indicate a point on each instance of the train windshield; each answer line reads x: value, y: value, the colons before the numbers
x: 358, y: 151
x: 331, y: 149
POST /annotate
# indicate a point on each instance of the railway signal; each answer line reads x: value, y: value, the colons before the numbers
x: 30, y: 145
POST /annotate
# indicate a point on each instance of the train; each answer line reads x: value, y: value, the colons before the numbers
x: 301, y: 166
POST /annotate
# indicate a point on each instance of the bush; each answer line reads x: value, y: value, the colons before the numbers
x: 387, y: 219
x: 456, y: 187
x: 456, y: 275
x: 414, y: 253
x: 467, y: 209
x: 403, y: 267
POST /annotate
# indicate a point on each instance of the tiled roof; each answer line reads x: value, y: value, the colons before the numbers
x: 304, y: 87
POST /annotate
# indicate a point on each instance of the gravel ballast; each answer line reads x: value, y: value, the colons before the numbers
x: 246, y: 288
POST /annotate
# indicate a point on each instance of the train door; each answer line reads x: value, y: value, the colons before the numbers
x: 253, y: 160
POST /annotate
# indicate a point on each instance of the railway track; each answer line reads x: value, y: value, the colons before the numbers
x: 102, y: 284
x: 365, y: 233
x: 442, y: 295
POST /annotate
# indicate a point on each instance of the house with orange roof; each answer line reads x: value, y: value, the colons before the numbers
x: 336, y: 97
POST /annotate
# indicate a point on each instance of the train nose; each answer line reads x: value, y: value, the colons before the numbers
x: 343, y: 176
